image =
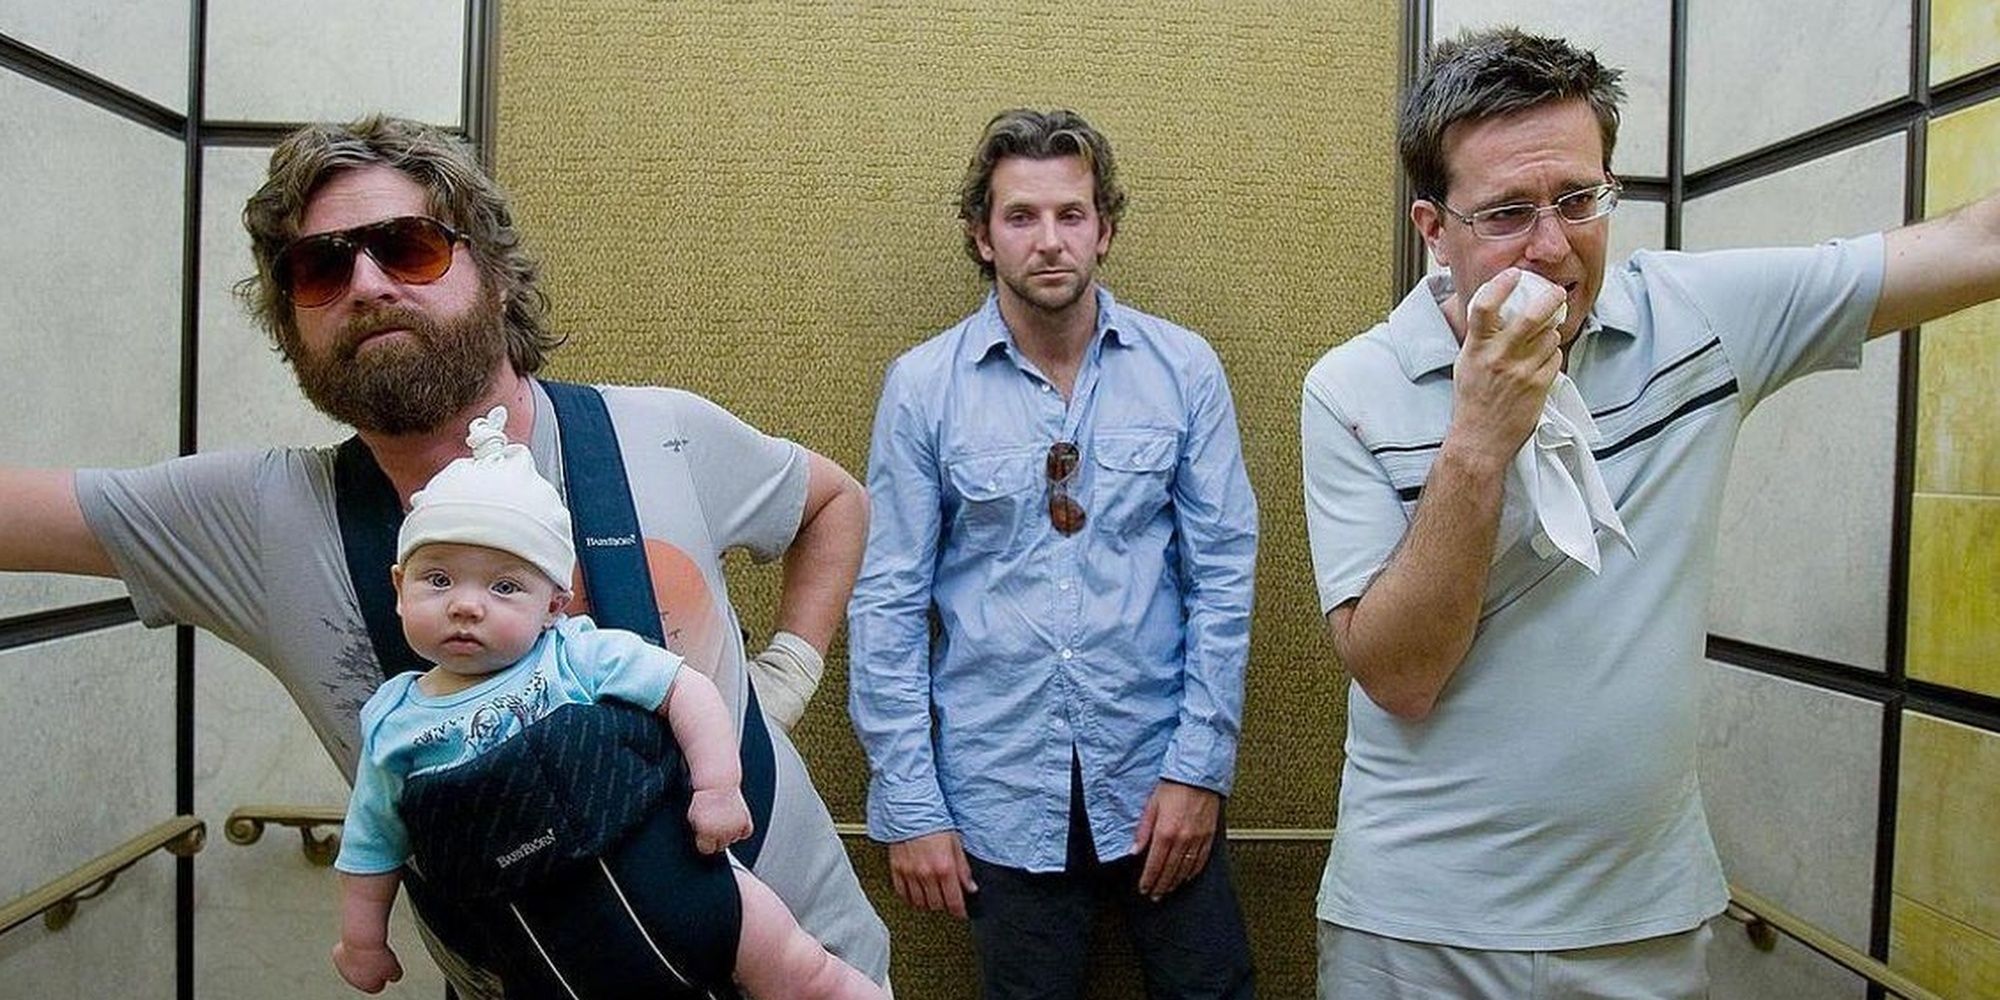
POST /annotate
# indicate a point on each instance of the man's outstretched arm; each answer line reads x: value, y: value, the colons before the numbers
x: 1939, y: 266
x: 42, y: 527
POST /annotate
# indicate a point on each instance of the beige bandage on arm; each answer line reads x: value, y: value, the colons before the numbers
x: 786, y: 673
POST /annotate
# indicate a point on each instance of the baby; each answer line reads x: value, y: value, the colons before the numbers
x: 484, y: 562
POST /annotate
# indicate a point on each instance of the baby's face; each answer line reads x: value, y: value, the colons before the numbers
x: 473, y: 610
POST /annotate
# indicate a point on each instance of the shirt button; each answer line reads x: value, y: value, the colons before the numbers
x: 1062, y: 584
x: 1045, y: 387
x: 1066, y: 654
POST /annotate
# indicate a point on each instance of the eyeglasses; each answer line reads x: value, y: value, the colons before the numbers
x: 1505, y: 222
x: 412, y: 249
x: 1065, y: 514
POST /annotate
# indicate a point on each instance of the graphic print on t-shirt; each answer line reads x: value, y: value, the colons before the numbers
x: 690, y: 616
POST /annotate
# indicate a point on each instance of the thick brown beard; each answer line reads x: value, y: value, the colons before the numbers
x: 410, y: 387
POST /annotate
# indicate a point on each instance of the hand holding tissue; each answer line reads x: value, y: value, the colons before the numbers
x: 1553, y: 484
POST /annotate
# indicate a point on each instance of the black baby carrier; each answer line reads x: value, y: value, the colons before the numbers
x: 562, y: 859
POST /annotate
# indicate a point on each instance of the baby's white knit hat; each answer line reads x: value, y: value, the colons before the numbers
x: 495, y: 499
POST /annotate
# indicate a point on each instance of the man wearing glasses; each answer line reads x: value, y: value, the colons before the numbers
x: 1512, y: 502
x: 392, y: 278
x: 1057, y: 482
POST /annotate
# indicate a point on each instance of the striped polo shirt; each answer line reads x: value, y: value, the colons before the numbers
x: 1549, y: 799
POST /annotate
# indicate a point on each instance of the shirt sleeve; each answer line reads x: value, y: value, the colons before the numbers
x: 614, y: 663
x: 1215, y: 514
x: 751, y: 486
x: 1785, y: 312
x: 1354, y: 519
x: 888, y: 621
x: 373, y: 839
x: 183, y: 535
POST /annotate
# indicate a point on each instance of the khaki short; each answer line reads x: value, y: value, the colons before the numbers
x: 1356, y: 965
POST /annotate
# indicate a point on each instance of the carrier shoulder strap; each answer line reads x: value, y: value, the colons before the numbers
x: 609, y: 546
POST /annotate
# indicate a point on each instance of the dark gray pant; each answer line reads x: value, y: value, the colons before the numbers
x: 1032, y: 929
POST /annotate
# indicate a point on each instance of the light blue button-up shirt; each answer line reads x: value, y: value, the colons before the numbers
x: 1123, y: 644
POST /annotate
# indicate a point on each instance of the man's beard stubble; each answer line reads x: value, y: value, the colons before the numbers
x: 408, y: 387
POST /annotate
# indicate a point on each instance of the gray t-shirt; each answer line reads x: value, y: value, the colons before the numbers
x: 1549, y: 799
x: 246, y: 545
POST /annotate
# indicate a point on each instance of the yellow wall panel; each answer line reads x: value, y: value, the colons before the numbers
x: 1958, y: 409
x: 1948, y: 957
x: 1965, y: 36
x: 1954, y: 598
x: 1947, y: 809
x: 754, y: 200
x: 1958, y: 413
x: 1959, y: 165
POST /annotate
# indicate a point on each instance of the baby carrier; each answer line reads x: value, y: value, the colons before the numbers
x: 562, y: 859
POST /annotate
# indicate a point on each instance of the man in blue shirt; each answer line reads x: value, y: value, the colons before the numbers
x: 1058, y: 479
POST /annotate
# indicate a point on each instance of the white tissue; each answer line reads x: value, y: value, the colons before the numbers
x: 1553, y: 482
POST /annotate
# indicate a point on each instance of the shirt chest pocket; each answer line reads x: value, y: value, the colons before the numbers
x: 1134, y: 476
x: 996, y: 495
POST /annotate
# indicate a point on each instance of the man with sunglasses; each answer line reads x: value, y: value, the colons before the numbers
x: 1512, y: 488
x: 1058, y: 485
x: 392, y: 278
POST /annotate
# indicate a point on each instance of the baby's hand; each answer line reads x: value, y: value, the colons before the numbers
x: 367, y: 969
x: 720, y: 818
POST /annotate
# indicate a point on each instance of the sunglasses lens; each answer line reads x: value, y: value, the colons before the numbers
x: 411, y: 249
x: 314, y: 270
x: 1062, y: 461
x: 1065, y: 514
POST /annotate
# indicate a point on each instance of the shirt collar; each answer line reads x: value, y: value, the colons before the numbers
x: 1428, y: 343
x: 987, y: 330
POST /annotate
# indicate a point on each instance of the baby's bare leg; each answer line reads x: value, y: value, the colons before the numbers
x: 777, y: 960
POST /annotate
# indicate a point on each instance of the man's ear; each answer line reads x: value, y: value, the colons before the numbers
x: 981, y: 238
x: 1430, y: 225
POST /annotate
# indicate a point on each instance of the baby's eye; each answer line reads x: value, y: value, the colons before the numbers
x: 506, y: 588
x: 438, y: 579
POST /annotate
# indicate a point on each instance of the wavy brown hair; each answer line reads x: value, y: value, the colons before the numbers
x: 460, y: 194
x: 1038, y: 136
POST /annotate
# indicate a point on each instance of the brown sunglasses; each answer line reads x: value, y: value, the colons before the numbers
x: 412, y: 249
x: 1065, y: 514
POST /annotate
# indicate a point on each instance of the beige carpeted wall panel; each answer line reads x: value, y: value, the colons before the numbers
x: 753, y: 199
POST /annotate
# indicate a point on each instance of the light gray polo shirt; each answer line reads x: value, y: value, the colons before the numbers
x: 1549, y: 799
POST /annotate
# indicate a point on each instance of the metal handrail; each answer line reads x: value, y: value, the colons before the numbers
x: 245, y: 825
x: 56, y: 902
x: 1760, y: 917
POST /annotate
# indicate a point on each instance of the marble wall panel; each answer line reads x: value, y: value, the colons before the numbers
x: 297, y: 60
x: 1777, y: 755
x: 1965, y: 36
x: 1954, y: 598
x: 1630, y: 35
x: 1761, y: 72
x: 248, y: 396
x: 92, y: 253
x: 1945, y: 928
x: 1737, y: 970
x: 88, y: 728
x: 140, y: 45
x: 1812, y: 485
x: 265, y: 917
x: 1958, y: 415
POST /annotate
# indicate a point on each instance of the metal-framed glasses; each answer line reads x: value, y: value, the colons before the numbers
x: 1065, y: 514
x: 1506, y: 222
